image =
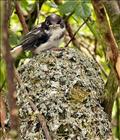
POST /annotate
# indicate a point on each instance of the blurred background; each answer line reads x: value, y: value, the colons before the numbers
x: 86, y: 26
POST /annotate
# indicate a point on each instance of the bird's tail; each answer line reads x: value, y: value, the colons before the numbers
x: 16, y: 51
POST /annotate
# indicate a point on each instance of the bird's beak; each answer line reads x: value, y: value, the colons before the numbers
x: 55, y: 26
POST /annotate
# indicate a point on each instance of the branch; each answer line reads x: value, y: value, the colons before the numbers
x: 21, y: 17
x: 118, y: 117
x: 105, y: 29
x: 72, y: 36
x: 10, y: 71
x: 34, y: 13
x: 77, y: 44
x: 41, y: 120
x: 113, y: 11
x: 2, y: 113
x: 109, y: 41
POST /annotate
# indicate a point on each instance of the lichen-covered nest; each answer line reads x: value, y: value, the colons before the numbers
x: 66, y: 87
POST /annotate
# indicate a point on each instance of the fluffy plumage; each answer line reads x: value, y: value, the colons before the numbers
x: 46, y: 36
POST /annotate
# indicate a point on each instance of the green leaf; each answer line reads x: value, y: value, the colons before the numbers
x: 13, y: 38
x: 83, y: 10
x: 67, y: 7
x: 2, y: 72
x: 24, y: 4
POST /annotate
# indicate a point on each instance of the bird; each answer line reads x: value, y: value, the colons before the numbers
x: 45, y: 36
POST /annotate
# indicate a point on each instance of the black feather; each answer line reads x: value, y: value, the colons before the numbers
x: 34, y: 38
x: 41, y: 34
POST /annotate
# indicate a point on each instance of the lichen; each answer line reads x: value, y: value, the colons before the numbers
x: 52, y: 80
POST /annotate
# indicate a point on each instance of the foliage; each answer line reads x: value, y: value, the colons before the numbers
x: 80, y: 9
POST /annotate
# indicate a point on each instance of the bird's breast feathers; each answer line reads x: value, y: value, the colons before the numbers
x: 54, y: 40
x: 44, y: 37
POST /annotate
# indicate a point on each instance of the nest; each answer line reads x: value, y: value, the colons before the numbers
x: 66, y: 87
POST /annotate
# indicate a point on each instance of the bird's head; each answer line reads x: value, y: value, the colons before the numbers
x: 54, y: 21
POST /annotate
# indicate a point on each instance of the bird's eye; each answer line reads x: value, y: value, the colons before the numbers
x: 59, y: 22
x: 47, y: 23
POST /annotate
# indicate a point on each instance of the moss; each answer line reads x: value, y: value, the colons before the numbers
x: 66, y: 89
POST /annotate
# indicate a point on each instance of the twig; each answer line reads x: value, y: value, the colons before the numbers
x: 2, y: 113
x: 21, y: 17
x: 107, y: 34
x: 95, y: 45
x: 108, y: 39
x: 77, y: 44
x: 41, y: 120
x: 38, y: 8
x: 17, y: 77
x: 10, y: 70
x: 73, y: 35
x: 118, y: 117
x: 34, y: 14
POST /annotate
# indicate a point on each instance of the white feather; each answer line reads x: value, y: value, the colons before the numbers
x: 53, y: 41
x: 16, y: 51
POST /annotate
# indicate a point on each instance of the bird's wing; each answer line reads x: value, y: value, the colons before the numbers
x: 34, y: 39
